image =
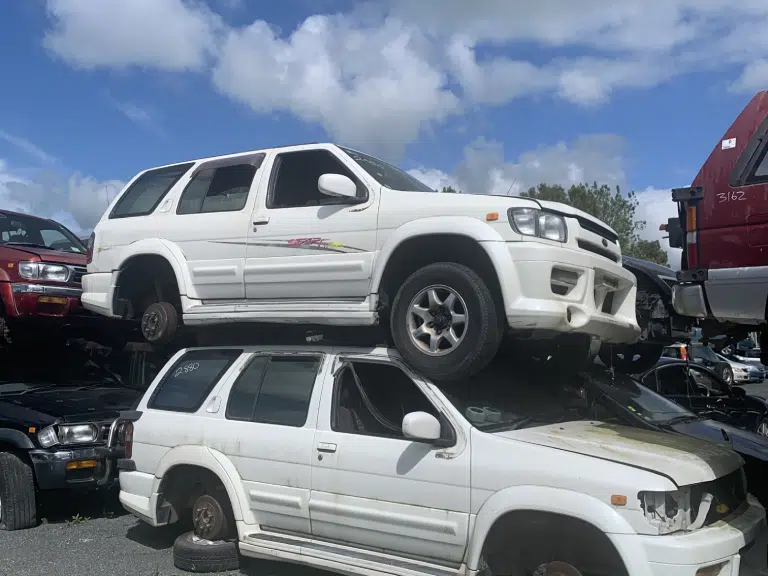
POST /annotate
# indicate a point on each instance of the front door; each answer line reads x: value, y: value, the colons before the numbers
x: 713, y: 397
x: 372, y: 487
x: 673, y: 382
x: 305, y: 245
x: 210, y: 223
x: 267, y: 431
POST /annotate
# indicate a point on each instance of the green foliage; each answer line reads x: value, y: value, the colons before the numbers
x: 450, y: 190
x: 612, y: 208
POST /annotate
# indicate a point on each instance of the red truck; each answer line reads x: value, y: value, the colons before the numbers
x: 41, y: 266
x: 722, y: 227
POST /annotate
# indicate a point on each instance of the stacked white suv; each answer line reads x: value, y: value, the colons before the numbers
x: 345, y: 459
x: 322, y: 234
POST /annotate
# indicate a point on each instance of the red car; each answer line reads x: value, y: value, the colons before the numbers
x: 41, y: 266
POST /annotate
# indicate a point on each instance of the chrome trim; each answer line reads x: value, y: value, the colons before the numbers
x: 29, y: 288
x: 112, y: 432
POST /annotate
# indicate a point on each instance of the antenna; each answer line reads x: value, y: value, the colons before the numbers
x: 510, y: 186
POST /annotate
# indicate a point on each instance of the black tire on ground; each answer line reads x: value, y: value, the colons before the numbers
x: 480, y: 337
x: 194, y: 554
x: 18, y: 507
x: 159, y: 323
x: 622, y: 356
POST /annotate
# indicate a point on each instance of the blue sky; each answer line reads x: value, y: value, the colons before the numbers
x: 492, y: 98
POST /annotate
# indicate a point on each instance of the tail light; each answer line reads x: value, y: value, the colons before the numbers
x: 683, y: 356
x: 89, y: 248
x: 128, y: 439
x: 692, y: 237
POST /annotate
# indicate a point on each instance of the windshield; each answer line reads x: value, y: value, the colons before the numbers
x: 385, y: 174
x: 29, y: 231
x: 703, y: 352
x: 629, y: 395
x: 501, y: 399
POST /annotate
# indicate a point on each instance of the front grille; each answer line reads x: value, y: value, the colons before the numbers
x: 729, y: 490
x: 599, y: 250
x: 597, y: 229
x: 78, y: 273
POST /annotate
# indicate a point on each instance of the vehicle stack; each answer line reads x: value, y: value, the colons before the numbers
x: 482, y: 390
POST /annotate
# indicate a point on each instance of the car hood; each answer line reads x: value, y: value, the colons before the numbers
x: 494, y: 202
x: 742, y: 441
x: 683, y: 459
x: 53, y: 256
x: 72, y: 405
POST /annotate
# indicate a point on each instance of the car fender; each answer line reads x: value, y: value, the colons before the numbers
x: 168, y: 250
x: 542, y: 499
x: 204, y: 457
x: 16, y: 438
x: 472, y: 228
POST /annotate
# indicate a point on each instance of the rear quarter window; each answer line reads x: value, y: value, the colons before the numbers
x: 148, y: 190
x: 187, y: 384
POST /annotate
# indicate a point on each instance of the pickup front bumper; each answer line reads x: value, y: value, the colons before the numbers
x: 89, y: 467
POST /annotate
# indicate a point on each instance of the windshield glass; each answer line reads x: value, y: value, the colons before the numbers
x: 26, y: 230
x: 385, y: 174
x: 703, y: 352
x: 631, y: 396
x: 500, y: 398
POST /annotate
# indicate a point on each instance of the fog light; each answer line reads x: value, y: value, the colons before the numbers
x: 80, y: 464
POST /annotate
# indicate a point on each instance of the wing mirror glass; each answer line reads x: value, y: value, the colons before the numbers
x: 421, y: 426
x: 337, y: 186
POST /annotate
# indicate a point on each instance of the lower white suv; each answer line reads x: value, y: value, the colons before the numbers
x: 344, y: 459
x: 321, y: 234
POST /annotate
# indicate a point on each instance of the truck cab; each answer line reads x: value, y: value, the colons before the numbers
x: 722, y: 227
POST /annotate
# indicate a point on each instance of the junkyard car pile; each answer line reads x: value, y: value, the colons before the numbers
x: 480, y: 437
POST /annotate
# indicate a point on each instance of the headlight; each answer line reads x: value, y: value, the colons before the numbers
x: 673, y: 511
x: 533, y: 222
x: 67, y: 434
x: 43, y: 271
x: 740, y: 369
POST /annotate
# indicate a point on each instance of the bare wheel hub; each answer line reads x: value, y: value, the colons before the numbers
x: 150, y: 323
x: 204, y: 519
x: 437, y: 320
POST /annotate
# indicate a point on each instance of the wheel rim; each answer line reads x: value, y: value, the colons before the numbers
x: 205, y: 519
x: 728, y: 377
x: 762, y: 430
x: 437, y: 320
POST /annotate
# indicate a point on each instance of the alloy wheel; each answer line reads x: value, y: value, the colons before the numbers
x: 437, y: 320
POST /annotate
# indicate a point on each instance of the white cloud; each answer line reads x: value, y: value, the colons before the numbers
x: 77, y: 202
x: 165, y: 34
x: 28, y: 148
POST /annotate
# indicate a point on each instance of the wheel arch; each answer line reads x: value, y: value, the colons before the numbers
x: 407, y: 247
x: 15, y: 439
x: 546, y: 501
x: 206, y: 459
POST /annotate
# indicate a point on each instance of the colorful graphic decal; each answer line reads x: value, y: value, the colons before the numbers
x: 311, y: 243
x: 314, y: 242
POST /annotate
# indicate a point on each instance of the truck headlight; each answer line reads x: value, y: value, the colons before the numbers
x: 533, y: 222
x: 43, y: 271
x: 66, y: 434
x: 673, y: 511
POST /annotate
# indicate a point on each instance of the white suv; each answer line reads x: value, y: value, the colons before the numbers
x: 344, y: 459
x: 322, y: 234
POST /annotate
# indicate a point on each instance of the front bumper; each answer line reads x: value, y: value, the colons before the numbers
x: 52, y: 474
x: 554, y: 288
x: 29, y: 300
x: 739, y: 544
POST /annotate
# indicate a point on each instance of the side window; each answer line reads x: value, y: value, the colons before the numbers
x: 189, y: 381
x: 760, y: 173
x: 650, y: 381
x: 672, y: 352
x: 713, y: 385
x: 372, y: 399
x: 673, y: 381
x: 223, y: 189
x: 295, y: 176
x: 148, y: 190
x: 274, y: 390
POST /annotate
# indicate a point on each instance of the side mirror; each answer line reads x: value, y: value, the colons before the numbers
x: 337, y: 185
x: 421, y: 426
x: 739, y: 392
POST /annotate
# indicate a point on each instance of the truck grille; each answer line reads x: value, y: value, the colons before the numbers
x: 77, y: 274
x: 599, y: 250
x: 729, y: 490
x: 597, y: 229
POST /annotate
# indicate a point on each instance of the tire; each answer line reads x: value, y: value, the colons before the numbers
x: 726, y: 373
x: 622, y: 356
x: 18, y: 507
x: 194, y: 554
x: 479, y: 337
x: 159, y: 323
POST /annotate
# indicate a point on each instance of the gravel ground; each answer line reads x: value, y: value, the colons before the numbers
x: 93, y: 535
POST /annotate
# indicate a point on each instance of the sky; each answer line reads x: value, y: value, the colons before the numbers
x: 491, y: 96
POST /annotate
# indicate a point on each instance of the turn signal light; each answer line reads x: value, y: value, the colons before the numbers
x: 80, y: 464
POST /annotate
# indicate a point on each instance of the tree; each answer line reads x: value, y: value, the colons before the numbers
x: 612, y: 208
x: 450, y: 190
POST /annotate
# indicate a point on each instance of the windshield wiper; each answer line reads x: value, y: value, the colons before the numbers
x: 682, y: 419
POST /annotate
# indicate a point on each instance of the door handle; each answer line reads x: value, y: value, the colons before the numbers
x: 326, y: 447
x: 261, y: 220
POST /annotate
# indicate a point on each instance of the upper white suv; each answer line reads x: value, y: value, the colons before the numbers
x: 345, y: 459
x: 324, y: 234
